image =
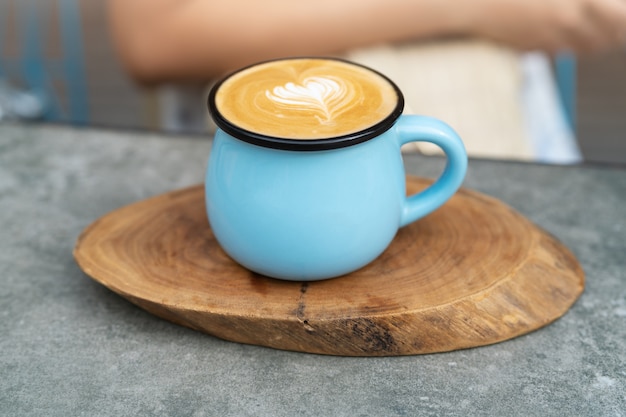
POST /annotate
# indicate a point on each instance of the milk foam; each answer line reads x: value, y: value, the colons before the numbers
x: 306, y: 98
x: 324, y: 96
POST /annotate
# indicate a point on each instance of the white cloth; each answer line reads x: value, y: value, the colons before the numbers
x: 552, y: 138
x: 502, y: 103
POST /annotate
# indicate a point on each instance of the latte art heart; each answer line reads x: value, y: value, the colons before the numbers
x: 323, y: 95
x: 305, y: 99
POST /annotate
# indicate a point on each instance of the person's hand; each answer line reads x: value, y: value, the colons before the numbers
x: 579, y: 26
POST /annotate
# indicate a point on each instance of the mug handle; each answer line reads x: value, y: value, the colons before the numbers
x: 412, y: 128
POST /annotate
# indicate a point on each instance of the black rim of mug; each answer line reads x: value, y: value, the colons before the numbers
x: 305, y: 145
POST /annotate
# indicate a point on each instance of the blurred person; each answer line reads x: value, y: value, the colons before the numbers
x: 461, y: 61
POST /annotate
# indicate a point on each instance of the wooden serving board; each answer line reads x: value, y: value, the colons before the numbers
x: 472, y: 273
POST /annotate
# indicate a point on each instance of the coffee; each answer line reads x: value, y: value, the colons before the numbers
x: 306, y: 98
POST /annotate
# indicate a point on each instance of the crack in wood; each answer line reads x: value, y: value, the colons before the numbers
x: 301, y: 307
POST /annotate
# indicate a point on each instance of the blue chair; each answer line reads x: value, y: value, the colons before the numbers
x: 41, y: 74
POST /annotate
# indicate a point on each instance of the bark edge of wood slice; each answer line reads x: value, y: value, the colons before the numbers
x: 474, y: 272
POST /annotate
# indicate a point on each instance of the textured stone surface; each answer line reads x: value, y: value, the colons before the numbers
x: 71, y: 347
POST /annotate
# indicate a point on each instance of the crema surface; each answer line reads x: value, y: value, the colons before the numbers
x: 306, y: 99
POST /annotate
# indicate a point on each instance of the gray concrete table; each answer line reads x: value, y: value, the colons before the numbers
x: 70, y: 347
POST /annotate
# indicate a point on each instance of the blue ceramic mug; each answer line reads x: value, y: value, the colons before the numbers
x: 305, y: 179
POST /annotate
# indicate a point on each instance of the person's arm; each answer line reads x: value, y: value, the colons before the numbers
x: 199, y: 39
x: 196, y: 40
x: 579, y: 26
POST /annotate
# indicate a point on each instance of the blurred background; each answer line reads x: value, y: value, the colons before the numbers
x: 58, y: 65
